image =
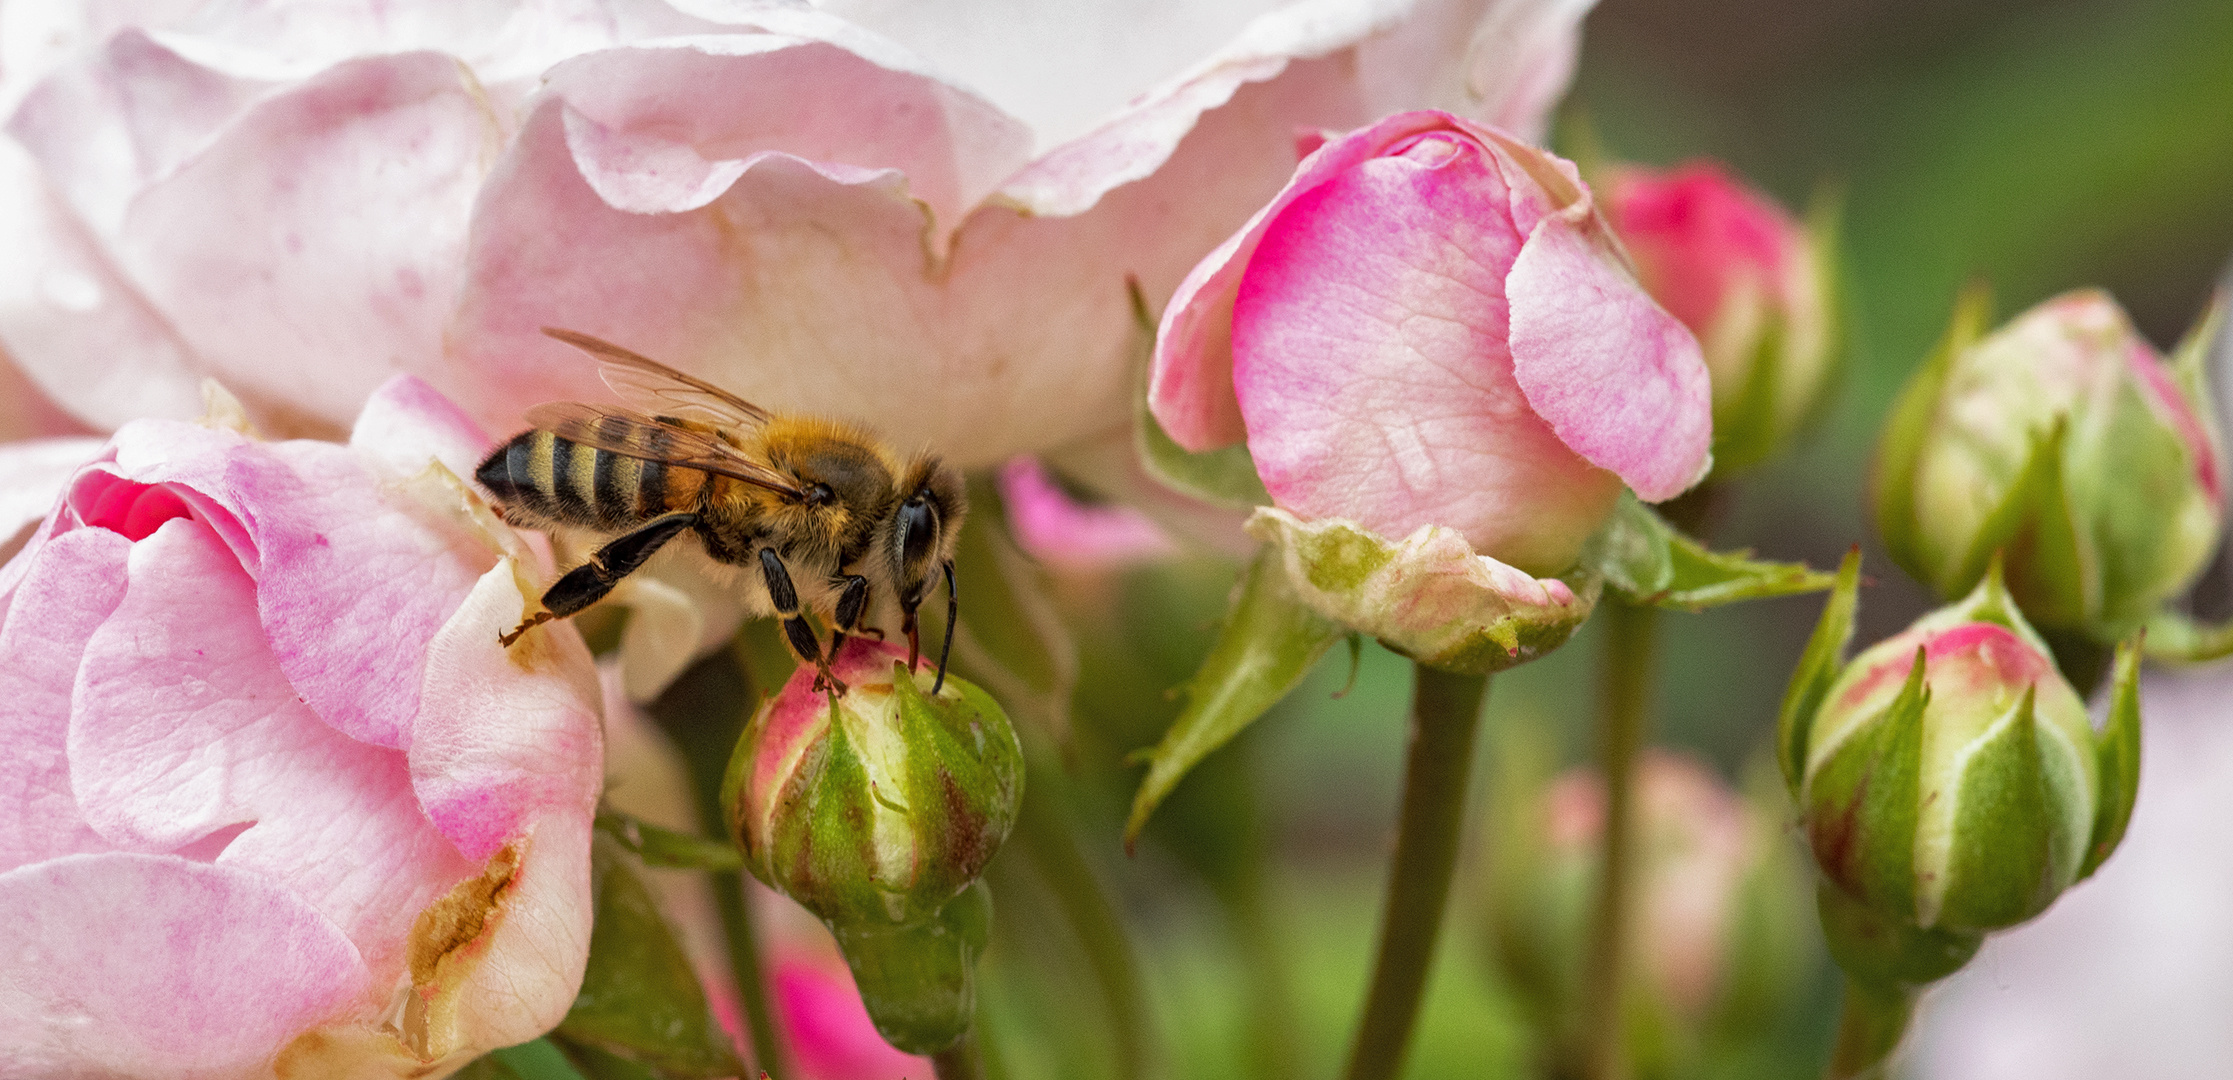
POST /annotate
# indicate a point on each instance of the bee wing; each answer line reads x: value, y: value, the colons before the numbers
x: 656, y: 388
x: 637, y: 436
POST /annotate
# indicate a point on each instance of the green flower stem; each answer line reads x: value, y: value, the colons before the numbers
x: 1630, y: 641
x: 1870, y: 1024
x: 1274, y: 1031
x: 1044, y: 829
x: 1445, y: 715
x: 959, y: 1061
x: 704, y: 712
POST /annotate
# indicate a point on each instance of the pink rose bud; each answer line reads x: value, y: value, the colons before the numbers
x: 1950, y: 781
x: 276, y: 801
x: 1748, y: 280
x: 1718, y: 908
x: 1432, y: 325
x: 877, y: 810
x: 2065, y: 443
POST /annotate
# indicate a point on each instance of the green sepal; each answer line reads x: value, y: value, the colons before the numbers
x: 666, y: 848
x: 1750, y: 433
x: 2178, y: 638
x: 1872, y: 1021
x: 963, y: 782
x: 1899, y: 451
x: 1270, y: 641
x: 919, y: 980
x: 1887, y: 951
x: 2190, y: 363
x: 1012, y: 639
x: 2035, y: 532
x: 2118, y: 744
x: 2000, y: 861
x: 1863, y: 803
x: 640, y: 999
x: 1225, y: 476
x: 1818, y: 668
x: 1647, y: 561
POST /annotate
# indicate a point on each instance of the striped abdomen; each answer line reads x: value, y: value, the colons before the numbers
x: 539, y: 476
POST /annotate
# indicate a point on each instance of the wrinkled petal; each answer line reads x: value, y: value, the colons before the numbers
x: 327, y: 222
x: 1370, y: 363
x: 153, y: 966
x: 1619, y: 379
x: 186, y: 737
x: 73, y: 583
x: 1428, y: 596
x: 74, y: 323
x: 504, y: 736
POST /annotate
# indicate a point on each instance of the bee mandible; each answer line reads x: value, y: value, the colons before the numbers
x: 818, y: 514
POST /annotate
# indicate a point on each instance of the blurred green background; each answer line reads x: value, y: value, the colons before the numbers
x: 2035, y: 145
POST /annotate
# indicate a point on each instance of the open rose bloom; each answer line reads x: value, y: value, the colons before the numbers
x: 918, y: 216
x: 276, y: 800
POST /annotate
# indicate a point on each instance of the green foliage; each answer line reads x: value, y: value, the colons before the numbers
x: 1647, y: 561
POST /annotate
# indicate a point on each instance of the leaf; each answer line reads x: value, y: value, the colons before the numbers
x: 2118, y: 743
x: 536, y: 1060
x: 1270, y: 641
x: 1900, y: 450
x: 640, y: 998
x: 667, y: 848
x: 1818, y: 668
x: 1647, y: 562
x: 1225, y: 476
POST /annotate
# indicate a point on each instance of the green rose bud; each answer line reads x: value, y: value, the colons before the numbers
x: 1949, y: 780
x: 877, y: 811
x: 2064, y: 442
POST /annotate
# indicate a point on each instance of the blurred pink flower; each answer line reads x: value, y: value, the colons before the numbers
x: 922, y: 218
x: 1061, y: 531
x: 1744, y: 277
x: 276, y: 801
x: 1432, y: 325
x: 830, y: 1034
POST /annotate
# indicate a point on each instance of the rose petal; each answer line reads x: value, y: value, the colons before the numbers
x: 186, y: 736
x: 282, y: 241
x: 406, y: 423
x: 1369, y: 360
x: 64, y: 304
x: 153, y: 966
x: 73, y: 582
x: 504, y: 736
x: 516, y: 977
x: 1619, y: 379
x: 1059, y: 530
x: 32, y: 475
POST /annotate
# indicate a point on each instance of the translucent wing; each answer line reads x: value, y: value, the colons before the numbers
x: 636, y: 436
x: 656, y: 388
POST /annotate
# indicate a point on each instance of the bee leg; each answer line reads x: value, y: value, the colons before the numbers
x: 588, y: 583
x: 851, y: 605
x: 795, y: 628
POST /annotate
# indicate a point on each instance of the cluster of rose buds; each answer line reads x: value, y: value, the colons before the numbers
x: 877, y: 810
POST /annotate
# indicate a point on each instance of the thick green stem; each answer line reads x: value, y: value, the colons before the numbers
x: 1054, y: 853
x: 1870, y: 1024
x: 1445, y: 715
x: 959, y: 1061
x: 1624, y: 708
x: 704, y: 712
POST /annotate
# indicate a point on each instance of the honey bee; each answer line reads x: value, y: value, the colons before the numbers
x: 820, y: 515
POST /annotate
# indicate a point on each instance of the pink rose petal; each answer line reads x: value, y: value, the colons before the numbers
x: 74, y: 581
x: 154, y: 966
x: 408, y: 423
x: 1619, y: 379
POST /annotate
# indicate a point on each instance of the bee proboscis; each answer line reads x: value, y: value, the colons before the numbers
x: 821, y: 515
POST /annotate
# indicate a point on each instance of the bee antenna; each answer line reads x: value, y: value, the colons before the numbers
x: 953, y: 611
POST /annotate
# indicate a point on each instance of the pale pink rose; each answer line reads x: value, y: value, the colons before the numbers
x: 1432, y: 325
x: 923, y: 218
x: 1057, y: 529
x: 275, y: 800
x: 1746, y: 278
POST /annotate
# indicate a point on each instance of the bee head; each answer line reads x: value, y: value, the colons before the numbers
x: 925, y: 528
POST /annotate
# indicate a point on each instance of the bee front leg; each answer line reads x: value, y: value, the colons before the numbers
x: 852, y: 605
x: 795, y: 628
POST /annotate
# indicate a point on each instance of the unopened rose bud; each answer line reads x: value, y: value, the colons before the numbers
x: 1751, y: 282
x: 1952, y: 783
x: 877, y: 810
x: 2065, y: 443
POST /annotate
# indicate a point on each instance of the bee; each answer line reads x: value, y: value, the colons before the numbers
x: 819, y: 515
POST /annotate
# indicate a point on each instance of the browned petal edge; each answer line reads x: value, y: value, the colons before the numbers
x: 448, y: 941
